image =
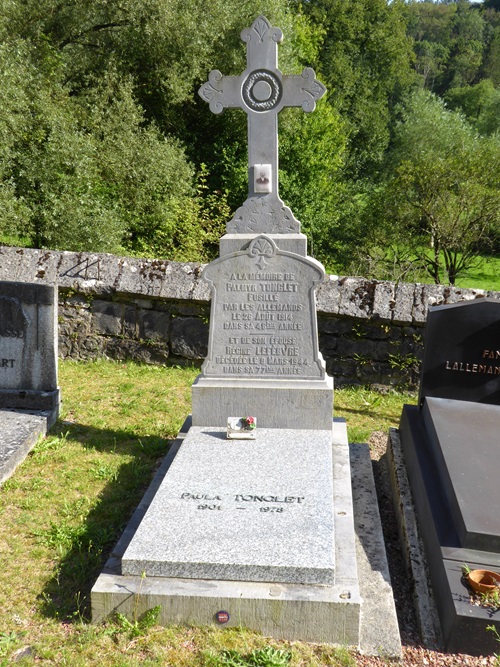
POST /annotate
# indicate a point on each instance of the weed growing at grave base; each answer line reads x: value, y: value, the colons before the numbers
x: 496, y: 634
x: 264, y: 657
x: 65, y: 507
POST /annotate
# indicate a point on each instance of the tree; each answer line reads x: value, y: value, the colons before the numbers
x: 455, y: 44
x: 311, y: 159
x: 107, y: 145
x: 491, y: 61
x: 365, y: 63
x: 480, y: 104
x: 82, y: 171
x: 443, y: 198
x: 467, y: 46
x: 430, y: 62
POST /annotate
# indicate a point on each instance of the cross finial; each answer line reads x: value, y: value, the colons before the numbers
x: 262, y: 91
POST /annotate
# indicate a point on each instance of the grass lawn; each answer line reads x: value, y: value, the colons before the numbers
x: 65, y: 507
x: 486, y: 275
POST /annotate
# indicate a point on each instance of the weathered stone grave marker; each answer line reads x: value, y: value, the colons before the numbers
x: 263, y: 360
x: 28, y: 368
x: 263, y: 342
x: 451, y: 444
x: 256, y: 532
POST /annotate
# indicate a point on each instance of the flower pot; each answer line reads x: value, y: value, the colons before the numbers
x: 484, y: 581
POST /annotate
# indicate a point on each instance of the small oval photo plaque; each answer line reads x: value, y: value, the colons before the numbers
x: 222, y: 616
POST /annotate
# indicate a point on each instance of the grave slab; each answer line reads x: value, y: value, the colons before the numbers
x: 464, y: 439
x: 261, y: 511
x: 307, y: 612
x: 261, y: 529
x: 450, y: 446
x: 463, y: 625
x: 19, y: 432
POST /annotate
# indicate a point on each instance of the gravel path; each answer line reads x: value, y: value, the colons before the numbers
x: 413, y: 653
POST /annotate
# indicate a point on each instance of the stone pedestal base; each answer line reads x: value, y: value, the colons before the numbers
x: 28, y: 399
x: 275, y: 403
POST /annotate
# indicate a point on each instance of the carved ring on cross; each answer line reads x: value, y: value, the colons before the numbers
x: 262, y: 90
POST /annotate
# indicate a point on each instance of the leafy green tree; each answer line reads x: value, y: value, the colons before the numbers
x: 443, y: 198
x: 431, y: 21
x: 467, y: 46
x: 430, y: 61
x: 117, y: 150
x: 491, y: 60
x: 365, y: 62
x: 480, y: 104
x: 82, y: 171
x: 455, y: 43
x: 312, y: 152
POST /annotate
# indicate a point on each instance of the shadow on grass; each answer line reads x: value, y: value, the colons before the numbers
x: 86, y: 547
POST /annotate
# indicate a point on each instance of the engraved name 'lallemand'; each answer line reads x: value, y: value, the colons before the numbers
x: 483, y: 367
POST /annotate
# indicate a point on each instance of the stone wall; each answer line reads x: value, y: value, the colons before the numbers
x: 156, y: 311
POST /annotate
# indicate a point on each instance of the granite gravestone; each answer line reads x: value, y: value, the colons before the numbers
x: 263, y: 355
x: 451, y: 447
x: 28, y: 346
x: 251, y: 527
x: 461, y: 358
x: 29, y: 395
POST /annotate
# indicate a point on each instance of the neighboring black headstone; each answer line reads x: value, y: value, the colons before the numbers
x: 451, y: 445
x: 462, y: 352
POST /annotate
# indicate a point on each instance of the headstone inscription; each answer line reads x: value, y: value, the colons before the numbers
x: 28, y: 346
x: 451, y: 446
x: 461, y: 358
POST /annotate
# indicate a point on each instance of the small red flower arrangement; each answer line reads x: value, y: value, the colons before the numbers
x: 248, y: 422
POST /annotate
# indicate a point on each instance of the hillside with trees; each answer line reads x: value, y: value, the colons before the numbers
x: 106, y: 146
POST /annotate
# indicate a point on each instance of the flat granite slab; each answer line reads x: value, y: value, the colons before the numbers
x: 240, y: 510
x: 463, y: 625
x: 465, y: 442
x: 19, y: 432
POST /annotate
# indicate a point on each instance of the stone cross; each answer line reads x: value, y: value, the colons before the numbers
x: 262, y: 91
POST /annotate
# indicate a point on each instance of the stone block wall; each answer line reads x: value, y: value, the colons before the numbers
x: 157, y: 311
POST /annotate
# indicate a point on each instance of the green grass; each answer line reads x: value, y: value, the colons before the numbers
x: 485, y: 275
x: 65, y: 507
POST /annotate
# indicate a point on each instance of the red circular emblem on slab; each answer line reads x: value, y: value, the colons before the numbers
x: 222, y: 617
